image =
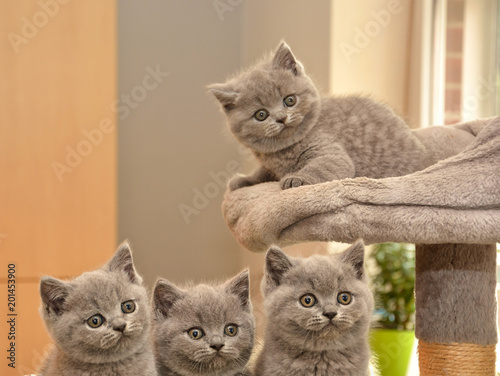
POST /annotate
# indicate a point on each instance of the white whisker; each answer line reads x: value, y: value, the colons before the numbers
x: 108, y: 340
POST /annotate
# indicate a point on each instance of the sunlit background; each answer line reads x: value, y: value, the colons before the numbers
x: 107, y: 132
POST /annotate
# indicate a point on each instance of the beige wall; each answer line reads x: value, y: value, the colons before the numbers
x: 370, y: 49
x: 305, y: 26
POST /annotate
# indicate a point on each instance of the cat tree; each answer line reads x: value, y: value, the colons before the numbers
x: 451, y: 210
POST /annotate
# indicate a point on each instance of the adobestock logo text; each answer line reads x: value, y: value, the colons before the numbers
x: 30, y: 27
x: 94, y: 137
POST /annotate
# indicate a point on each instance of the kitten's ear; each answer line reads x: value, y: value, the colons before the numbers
x: 54, y: 294
x: 240, y: 286
x: 165, y: 295
x: 122, y: 261
x: 355, y: 256
x: 284, y: 59
x: 226, y: 96
x: 277, y: 264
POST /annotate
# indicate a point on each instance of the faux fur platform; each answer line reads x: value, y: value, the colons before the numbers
x: 456, y: 200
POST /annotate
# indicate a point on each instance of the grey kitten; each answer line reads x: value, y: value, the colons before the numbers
x: 319, y: 311
x: 300, y: 138
x: 100, y: 322
x: 203, y: 330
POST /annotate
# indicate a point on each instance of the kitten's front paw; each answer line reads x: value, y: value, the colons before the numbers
x: 238, y: 182
x: 292, y: 182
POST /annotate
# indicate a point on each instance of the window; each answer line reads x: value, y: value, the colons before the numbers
x: 455, y: 73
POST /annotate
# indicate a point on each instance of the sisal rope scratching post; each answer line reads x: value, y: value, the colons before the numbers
x: 457, y: 359
x: 451, y: 210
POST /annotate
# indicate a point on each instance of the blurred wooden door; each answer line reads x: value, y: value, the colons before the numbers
x: 57, y: 155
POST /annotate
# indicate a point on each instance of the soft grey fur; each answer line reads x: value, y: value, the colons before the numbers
x: 209, y: 308
x: 309, y: 341
x: 122, y: 345
x: 455, y: 293
x: 454, y: 201
x: 323, y: 139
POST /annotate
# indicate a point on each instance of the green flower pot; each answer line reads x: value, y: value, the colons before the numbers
x: 391, y: 350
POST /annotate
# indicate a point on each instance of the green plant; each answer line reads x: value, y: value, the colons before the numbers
x: 393, y: 284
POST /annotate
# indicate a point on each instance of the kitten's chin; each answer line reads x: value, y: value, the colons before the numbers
x: 218, y: 363
x: 329, y: 336
x: 329, y: 332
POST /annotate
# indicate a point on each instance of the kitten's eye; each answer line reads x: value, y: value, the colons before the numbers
x: 344, y: 298
x: 231, y: 330
x: 196, y: 333
x: 128, y: 306
x: 261, y: 115
x: 308, y: 300
x: 290, y: 100
x: 95, y: 321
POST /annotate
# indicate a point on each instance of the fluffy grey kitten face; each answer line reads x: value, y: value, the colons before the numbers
x: 101, y: 316
x: 318, y: 303
x: 204, y: 330
x: 271, y: 106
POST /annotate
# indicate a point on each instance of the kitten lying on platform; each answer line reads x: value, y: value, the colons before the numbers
x: 100, y: 322
x: 203, y: 330
x: 301, y: 138
x: 319, y: 311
